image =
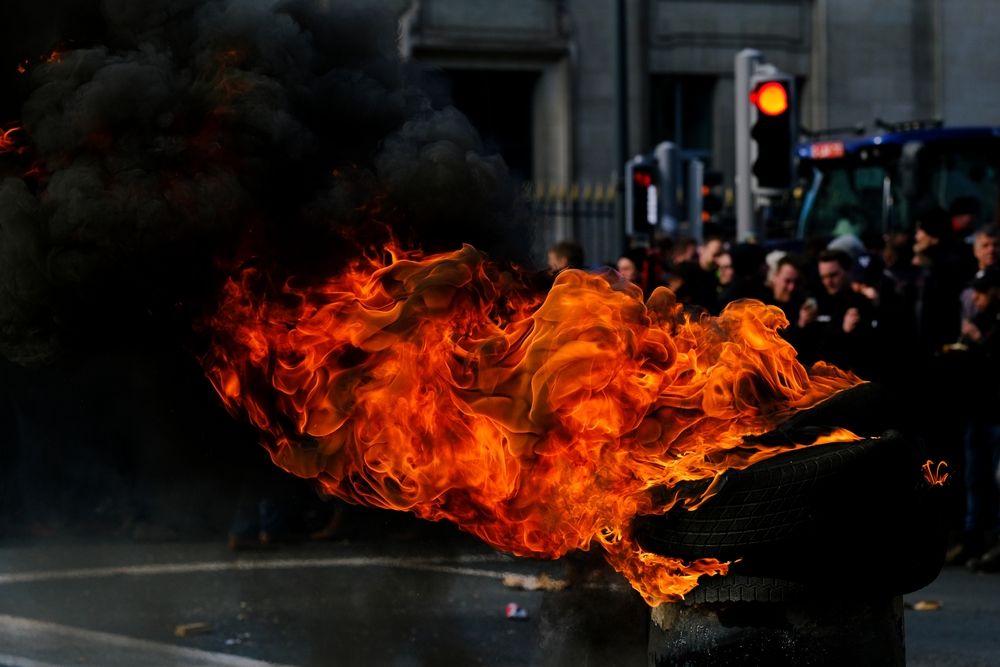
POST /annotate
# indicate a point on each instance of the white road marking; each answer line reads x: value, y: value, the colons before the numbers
x: 89, y: 647
x: 44, y: 641
x: 18, y: 661
x: 248, y: 565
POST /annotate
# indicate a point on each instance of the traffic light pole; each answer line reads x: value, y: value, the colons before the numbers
x: 746, y: 61
x: 696, y: 179
x: 668, y: 160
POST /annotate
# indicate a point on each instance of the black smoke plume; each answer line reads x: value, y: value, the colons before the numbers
x: 166, y: 142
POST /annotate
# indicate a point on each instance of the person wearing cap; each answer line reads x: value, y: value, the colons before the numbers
x: 984, y: 249
x: 981, y: 328
x: 933, y: 235
x: 981, y: 338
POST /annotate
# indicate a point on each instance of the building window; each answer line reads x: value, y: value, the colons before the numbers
x: 682, y: 110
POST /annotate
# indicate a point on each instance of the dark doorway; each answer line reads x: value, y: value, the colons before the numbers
x: 499, y: 105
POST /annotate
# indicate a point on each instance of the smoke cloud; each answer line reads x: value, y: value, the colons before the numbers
x: 169, y: 141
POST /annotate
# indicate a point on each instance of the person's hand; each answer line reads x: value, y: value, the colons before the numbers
x: 851, y: 320
x: 869, y: 292
x: 971, y: 331
x: 808, y: 312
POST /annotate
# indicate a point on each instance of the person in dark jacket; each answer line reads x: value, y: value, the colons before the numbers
x: 787, y: 286
x: 749, y: 273
x: 981, y: 337
x: 836, y: 325
x: 700, y: 280
x: 939, y: 280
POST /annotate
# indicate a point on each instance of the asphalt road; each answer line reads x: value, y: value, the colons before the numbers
x: 964, y: 631
x: 435, y: 600
x: 409, y: 602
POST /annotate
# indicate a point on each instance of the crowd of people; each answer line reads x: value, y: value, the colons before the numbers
x: 918, y: 312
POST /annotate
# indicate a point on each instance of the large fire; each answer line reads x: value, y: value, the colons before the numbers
x: 542, y: 424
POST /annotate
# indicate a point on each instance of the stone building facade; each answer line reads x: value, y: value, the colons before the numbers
x: 548, y: 67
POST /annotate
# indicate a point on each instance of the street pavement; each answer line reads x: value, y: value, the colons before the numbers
x: 423, y: 601
x: 964, y: 631
x: 431, y: 599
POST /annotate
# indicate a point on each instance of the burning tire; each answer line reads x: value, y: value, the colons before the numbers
x: 766, y: 503
x: 840, y: 514
x: 744, y: 588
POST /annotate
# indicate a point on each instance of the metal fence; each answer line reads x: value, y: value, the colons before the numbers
x: 582, y: 213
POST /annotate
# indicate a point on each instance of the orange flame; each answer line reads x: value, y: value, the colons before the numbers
x: 936, y: 474
x: 53, y: 56
x: 12, y: 141
x: 439, y: 385
x: 9, y: 140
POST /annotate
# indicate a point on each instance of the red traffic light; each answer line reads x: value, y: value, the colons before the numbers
x: 642, y: 178
x: 771, y: 98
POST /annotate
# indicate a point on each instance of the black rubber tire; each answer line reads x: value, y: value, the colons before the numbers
x: 820, y: 516
x: 867, y: 410
x: 769, y: 502
x: 743, y: 588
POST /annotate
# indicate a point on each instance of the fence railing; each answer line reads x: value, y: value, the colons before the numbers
x: 584, y: 213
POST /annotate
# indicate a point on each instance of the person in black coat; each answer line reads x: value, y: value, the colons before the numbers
x: 981, y: 339
x: 939, y: 281
x: 836, y: 325
x: 749, y: 275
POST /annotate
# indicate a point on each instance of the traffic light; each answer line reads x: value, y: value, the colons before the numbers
x: 712, y: 197
x: 642, y: 212
x: 773, y: 130
x: 705, y: 198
